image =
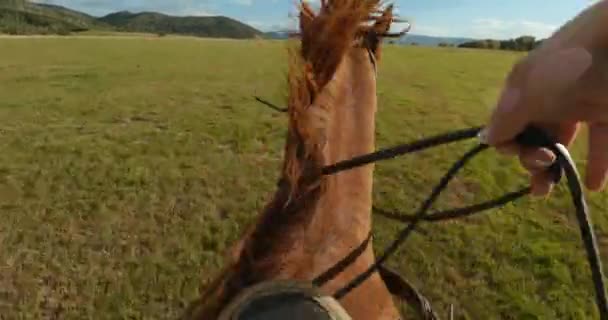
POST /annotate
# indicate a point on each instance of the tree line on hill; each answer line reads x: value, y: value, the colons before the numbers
x: 523, y: 43
x: 26, y: 17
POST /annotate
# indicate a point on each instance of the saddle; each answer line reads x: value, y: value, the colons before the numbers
x: 294, y: 300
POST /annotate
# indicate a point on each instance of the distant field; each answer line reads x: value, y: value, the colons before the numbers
x: 128, y: 166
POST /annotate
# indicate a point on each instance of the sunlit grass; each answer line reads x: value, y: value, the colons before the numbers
x: 128, y: 165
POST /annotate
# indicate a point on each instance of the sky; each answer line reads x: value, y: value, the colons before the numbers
x: 496, y: 19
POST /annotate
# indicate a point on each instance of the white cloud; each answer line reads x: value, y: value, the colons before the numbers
x: 502, y: 29
x: 489, y: 28
x: 285, y: 25
x: 431, y: 30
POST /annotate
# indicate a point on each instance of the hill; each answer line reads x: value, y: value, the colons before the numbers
x: 153, y: 22
x: 277, y: 35
x: 431, y: 41
x: 25, y: 17
x: 523, y: 43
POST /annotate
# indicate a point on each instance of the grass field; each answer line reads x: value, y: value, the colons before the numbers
x: 128, y: 165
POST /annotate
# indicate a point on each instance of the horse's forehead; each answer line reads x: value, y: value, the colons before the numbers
x: 356, y: 62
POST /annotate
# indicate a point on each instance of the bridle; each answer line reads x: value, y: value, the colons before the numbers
x: 532, y: 137
x: 371, y: 39
x: 374, y: 62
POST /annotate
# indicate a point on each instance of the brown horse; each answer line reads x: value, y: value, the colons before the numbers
x: 314, y: 221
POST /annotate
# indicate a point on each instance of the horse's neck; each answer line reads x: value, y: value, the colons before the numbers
x: 343, y: 217
x: 348, y: 196
x: 342, y: 221
x: 301, y: 244
x: 340, y: 210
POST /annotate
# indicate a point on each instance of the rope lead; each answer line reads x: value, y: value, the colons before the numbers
x: 531, y: 137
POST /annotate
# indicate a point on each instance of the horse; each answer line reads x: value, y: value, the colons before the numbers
x: 313, y: 220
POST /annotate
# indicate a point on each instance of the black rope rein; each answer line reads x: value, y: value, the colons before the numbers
x: 533, y: 137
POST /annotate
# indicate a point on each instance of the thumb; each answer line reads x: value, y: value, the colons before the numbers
x: 544, y: 81
x: 558, y: 71
x: 509, y: 118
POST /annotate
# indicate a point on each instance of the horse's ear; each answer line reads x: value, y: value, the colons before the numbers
x: 383, y: 23
x: 306, y: 17
x: 379, y: 29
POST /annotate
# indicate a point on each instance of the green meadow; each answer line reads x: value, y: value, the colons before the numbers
x: 127, y: 165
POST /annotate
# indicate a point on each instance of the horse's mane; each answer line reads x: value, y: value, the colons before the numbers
x: 325, y: 38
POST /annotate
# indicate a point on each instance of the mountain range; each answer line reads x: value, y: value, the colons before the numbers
x: 154, y: 22
x: 416, y: 39
x: 409, y: 39
x: 25, y: 17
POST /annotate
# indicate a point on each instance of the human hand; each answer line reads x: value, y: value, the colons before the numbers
x: 557, y: 87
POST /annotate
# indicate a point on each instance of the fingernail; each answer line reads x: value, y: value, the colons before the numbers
x: 483, y: 136
x: 543, y: 163
x: 535, y: 165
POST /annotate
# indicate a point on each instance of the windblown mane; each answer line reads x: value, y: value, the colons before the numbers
x: 325, y: 38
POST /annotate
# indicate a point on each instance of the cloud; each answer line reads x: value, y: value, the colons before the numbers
x: 430, y: 30
x: 487, y: 28
x: 284, y: 25
x: 502, y: 29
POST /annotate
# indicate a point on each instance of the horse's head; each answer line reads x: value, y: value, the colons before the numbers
x: 332, y: 81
